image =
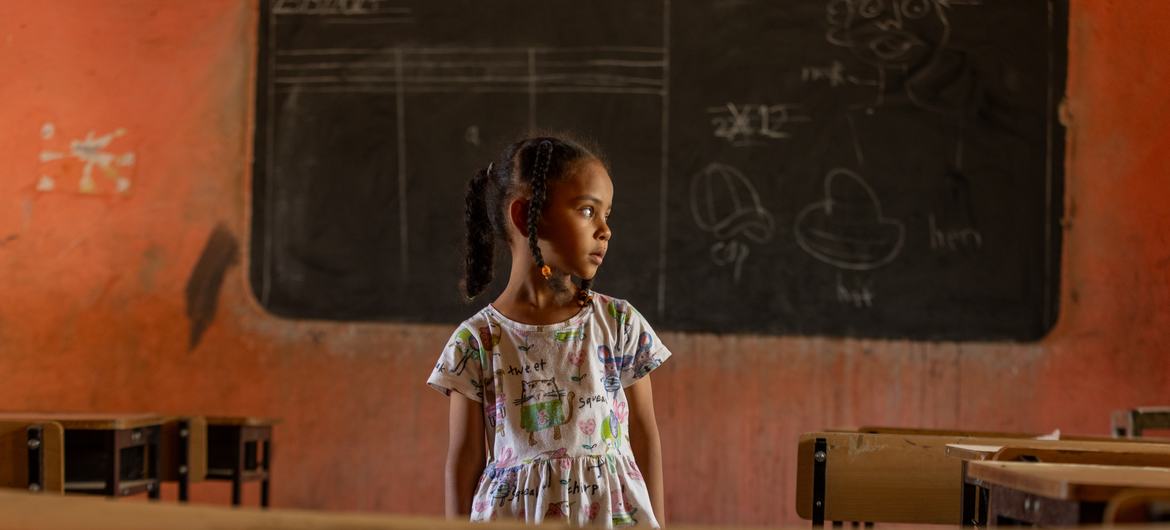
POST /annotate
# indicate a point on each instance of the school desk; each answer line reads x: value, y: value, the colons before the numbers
x: 890, y: 478
x: 975, y: 495
x: 105, y: 454
x: 239, y: 449
x: 31, y: 456
x: 1060, y: 494
x: 1132, y: 422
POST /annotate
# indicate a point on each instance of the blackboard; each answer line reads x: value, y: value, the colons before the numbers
x: 861, y: 168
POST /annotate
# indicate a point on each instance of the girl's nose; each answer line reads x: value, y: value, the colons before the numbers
x: 605, y: 233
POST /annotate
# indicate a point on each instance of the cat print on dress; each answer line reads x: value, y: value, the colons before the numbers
x: 643, y: 362
x: 612, y: 367
x: 541, y: 407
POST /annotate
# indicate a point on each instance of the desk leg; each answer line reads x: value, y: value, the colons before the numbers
x: 184, y: 464
x: 154, y: 487
x: 238, y: 467
x: 967, y: 513
x: 265, y: 466
x: 35, y: 460
x: 113, y: 478
x: 820, y: 461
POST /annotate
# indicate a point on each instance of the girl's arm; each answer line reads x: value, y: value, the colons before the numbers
x: 465, y: 455
x: 645, y: 442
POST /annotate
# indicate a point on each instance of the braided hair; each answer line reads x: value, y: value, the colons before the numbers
x: 524, y: 168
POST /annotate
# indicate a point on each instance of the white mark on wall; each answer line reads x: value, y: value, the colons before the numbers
x: 93, y: 161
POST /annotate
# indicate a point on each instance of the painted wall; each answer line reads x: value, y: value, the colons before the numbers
x: 95, y: 277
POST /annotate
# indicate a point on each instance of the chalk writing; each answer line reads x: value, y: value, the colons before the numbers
x: 748, y: 124
x: 857, y: 295
x: 953, y: 239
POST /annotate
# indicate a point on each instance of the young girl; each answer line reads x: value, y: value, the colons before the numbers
x: 560, y: 374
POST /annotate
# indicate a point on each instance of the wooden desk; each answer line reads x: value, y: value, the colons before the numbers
x: 32, y: 456
x: 975, y: 495
x: 897, y: 478
x: 1059, y: 494
x: 239, y: 449
x: 105, y: 454
x: 892, y: 478
x: 1131, y: 422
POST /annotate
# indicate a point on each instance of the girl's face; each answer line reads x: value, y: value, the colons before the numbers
x: 574, y: 232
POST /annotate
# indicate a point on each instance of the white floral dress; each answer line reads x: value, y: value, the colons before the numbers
x: 556, y: 412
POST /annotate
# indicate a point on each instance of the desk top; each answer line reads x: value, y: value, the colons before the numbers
x: 972, y: 451
x: 881, y: 429
x: 87, y: 420
x: 1074, y: 482
x: 996, y: 451
x: 872, y: 429
x: 244, y: 421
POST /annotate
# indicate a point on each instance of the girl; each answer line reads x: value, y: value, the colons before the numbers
x: 561, y: 372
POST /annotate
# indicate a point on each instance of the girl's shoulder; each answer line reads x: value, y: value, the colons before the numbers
x: 613, y: 306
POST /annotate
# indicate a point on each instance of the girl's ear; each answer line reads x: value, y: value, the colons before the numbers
x: 518, y: 215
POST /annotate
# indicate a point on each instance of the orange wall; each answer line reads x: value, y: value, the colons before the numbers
x: 92, y: 286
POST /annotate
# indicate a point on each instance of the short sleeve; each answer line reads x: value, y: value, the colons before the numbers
x: 460, y: 366
x: 642, y: 351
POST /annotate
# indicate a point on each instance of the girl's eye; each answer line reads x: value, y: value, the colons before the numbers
x: 587, y: 211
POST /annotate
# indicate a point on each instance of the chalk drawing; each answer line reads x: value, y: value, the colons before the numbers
x: 846, y: 228
x: 725, y: 203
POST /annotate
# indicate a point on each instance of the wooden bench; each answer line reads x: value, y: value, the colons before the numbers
x: 1060, y: 494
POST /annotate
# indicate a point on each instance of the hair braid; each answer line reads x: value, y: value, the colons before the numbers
x: 480, y: 238
x: 536, y: 203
